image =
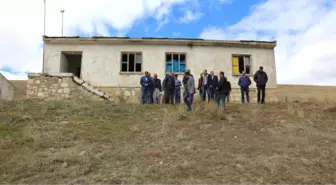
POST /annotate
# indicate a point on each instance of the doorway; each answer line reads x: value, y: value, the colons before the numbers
x: 71, y: 62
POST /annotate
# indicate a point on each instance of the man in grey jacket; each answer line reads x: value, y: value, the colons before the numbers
x: 190, y: 91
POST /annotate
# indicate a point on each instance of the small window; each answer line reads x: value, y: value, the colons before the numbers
x: 241, y: 63
x: 131, y: 62
x: 175, y: 62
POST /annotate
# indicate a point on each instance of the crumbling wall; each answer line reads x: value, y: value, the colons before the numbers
x: 50, y: 87
x: 6, y: 89
x: 59, y: 86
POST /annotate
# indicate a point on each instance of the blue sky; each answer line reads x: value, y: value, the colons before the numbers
x: 304, y: 29
x: 206, y: 12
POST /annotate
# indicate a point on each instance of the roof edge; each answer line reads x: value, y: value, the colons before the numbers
x: 153, y: 40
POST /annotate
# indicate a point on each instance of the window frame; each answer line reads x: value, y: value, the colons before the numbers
x: 179, y: 56
x: 240, y: 55
x: 130, y: 72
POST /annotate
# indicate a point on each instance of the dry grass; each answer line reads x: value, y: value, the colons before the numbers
x: 97, y: 142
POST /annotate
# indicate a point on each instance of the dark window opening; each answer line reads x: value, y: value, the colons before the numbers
x: 124, y: 67
x: 124, y: 58
x: 131, y: 62
x: 241, y: 63
x: 175, y: 62
x: 71, y: 62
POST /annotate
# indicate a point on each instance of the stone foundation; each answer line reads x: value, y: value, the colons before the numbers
x: 132, y: 94
x: 60, y: 86
x: 65, y: 86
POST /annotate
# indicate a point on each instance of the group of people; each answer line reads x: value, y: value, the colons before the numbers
x: 169, y: 91
x: 211, y: 88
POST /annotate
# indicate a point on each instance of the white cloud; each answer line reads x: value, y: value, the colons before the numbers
x: 306, y: 35
x: 190, y: 16
x: 22, y: 24
x: 176, y: 34
x: 225, y: 1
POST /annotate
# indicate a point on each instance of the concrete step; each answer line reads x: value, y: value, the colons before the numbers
x: 90, y: 88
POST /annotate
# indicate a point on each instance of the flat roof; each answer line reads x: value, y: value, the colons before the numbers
x: 159, y: 41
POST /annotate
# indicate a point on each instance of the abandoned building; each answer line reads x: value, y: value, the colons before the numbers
x: 116, y: 64
x: 6, y: 89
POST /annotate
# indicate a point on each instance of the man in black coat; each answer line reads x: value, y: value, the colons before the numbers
x: 260, y: 78
x: 168, y: 85
x: 223, y: 89
x: 228, y: 96
x: 212, y: 84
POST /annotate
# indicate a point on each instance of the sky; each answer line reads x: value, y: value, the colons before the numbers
x: 304, y: 29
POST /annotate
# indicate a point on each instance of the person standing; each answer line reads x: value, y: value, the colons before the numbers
x: 261, y: 78
x: 157, y: 90
x: 205, y: 85
x: 199, y: 87
x: 244, y: 82
x: 150, y: 99
x: 169, y: 87
x: 222, y: 90
x: 212, y: 84
x: 228, y: 96
x: 145, y: 83
x: 185, y: 79
x: 178, y: 85
x: 190, y: 91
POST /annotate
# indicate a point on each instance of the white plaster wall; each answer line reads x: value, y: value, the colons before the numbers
x: 63, y: 63
x: 101, y: 63
x: 7, y: 89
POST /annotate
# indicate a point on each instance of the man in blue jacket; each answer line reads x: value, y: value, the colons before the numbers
x: 244, y: 83
x: 146, y: 84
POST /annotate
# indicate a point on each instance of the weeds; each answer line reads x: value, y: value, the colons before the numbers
x: 88, y: 141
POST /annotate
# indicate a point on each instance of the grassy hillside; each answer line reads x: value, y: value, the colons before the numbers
x: 306, y: 92
x: 97, y: 142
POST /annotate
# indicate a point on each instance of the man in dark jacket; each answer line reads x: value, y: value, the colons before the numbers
x: 199, y: 87
x: 212, y: 84
x: 260, y: 78
x: 228, y: 96
x: 222, y: 90
x: 185, y: 78
x: 244, y: 82
x: 168, y: 85
x: 157, y: 90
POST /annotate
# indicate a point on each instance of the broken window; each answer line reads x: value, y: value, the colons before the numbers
x: 175, y: 62
x: 241, y: 63
x: 131, y: 62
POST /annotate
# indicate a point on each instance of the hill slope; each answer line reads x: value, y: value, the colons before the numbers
x: 97, y: 142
